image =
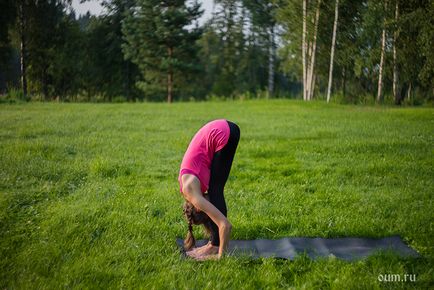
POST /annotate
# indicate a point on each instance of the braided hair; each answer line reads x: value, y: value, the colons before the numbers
x: 194, y: 217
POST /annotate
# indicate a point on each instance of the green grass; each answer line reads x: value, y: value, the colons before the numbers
x: 89, y: 195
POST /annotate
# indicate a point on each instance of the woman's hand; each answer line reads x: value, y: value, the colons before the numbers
x: 225, y: 229
x: 192, y: 193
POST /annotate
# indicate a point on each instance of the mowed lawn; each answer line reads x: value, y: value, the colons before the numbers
x: 89, y: 195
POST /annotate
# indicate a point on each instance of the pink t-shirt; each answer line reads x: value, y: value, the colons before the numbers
x: 197, y: 159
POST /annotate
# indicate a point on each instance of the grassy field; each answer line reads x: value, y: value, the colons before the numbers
x: 89, y: 195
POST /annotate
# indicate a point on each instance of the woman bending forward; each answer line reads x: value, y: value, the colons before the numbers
x: 204, y: 171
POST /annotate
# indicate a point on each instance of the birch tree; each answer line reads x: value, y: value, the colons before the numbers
x: 332, y: 52
x: 271, y: 57
x: 23, y: 44
x: 309, y: 44
x: 383, y: 48
x: 304, y: 49
x: 311, y: 51
x: 395, y: 88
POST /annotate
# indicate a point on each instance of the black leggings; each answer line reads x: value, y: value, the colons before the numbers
x: 220, y: 168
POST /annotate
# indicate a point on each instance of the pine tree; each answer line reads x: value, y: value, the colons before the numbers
x: 159, y: 42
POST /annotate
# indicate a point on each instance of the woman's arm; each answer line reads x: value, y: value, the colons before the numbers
x: 192, y: 192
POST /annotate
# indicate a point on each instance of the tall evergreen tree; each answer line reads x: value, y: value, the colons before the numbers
x: 7, y: 18
x: 159, y: 40
x: 109, y: 74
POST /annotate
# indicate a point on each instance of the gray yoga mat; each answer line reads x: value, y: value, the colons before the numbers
x: 288, y: 248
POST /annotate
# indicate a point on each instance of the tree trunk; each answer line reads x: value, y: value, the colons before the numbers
x: 126, y: 80
x: 170, y: 76
x: 271, y: 53
x: 304, y: 49
x: 45, y: 82
x: 332, y: 52
x: 23, y: 48
x: 409, y: 92
x: 383, y: 47
x: 396, y: 91
x: 344, y: 82
x: 311, y: 85
x: 308, y: 67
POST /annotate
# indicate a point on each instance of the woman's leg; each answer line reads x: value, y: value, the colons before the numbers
x: 220, y: 168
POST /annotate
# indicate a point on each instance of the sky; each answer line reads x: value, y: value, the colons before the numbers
x: 95, y: 8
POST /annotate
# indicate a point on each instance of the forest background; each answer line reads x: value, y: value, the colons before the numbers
x: 340, y: 50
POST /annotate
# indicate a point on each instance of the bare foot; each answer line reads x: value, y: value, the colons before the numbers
x: 196, y: 250
x: 206, y: 250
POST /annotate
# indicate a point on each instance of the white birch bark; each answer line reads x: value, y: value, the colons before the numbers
x: 271, y: 55
x: 396, y: 95
x: 311, y: 84
x: 308, y: 66
x: 383, y: 47
x: 409, y: 92
x: 332, y: 52
x: 304, y: 49
x: 23, y: 47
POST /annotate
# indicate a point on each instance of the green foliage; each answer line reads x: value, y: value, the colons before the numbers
x: 43, y: 36
x: 89, y: 196
x: 67, y: 61
x: 234, y: 50
x: 358, y: 46
x: 158, y: 41
x: 106, y: 71
x: 416, y: 36
x: 13, y: 96
x: 7, y: 8
x: 142, y: 49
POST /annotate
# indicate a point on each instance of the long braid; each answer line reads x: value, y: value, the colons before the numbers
x: 194, y: 218
x: 189, y: 241
x: 190, y: 226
